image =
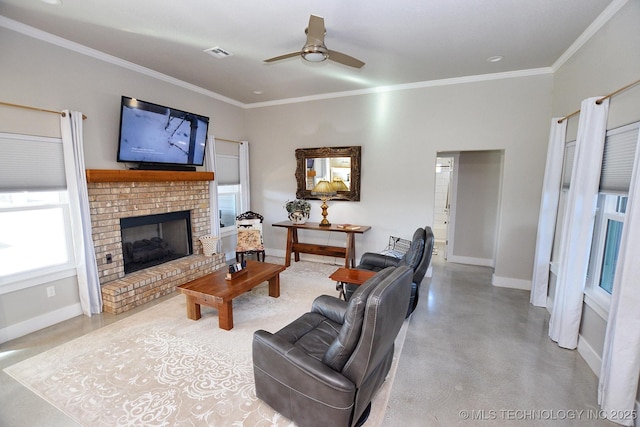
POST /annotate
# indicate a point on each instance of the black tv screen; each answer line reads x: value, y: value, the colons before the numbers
x: 154, y: 134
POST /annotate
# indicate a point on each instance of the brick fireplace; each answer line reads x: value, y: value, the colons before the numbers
x: 114, y: 195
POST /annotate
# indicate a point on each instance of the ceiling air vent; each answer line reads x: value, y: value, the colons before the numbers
x: 218, y: 52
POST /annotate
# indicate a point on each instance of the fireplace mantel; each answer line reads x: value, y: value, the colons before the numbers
x: 126, y: 175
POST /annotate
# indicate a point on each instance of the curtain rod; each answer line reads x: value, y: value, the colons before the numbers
x: 227, y: 140
x: 26, y: 107
x: 600, y: 100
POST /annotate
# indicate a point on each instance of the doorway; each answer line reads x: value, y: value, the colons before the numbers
x: 442, y: 204
x: 466, y: 206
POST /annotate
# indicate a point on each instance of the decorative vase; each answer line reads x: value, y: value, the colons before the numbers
x: 298, y: 217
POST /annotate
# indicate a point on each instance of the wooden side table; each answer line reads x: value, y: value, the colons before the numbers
x: 295, y: 247
x: 349, y: 275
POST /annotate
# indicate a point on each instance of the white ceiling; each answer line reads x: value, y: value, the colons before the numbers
x: 401, y: 42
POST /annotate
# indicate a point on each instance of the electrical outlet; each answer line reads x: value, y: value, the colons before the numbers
x: 109, y: 259
x: 51, y: 291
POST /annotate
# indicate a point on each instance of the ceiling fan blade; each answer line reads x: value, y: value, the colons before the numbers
x: 315, y: 30
x: 345, y: 59
x: 285, y: 56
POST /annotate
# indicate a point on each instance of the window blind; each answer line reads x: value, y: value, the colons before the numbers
x: 228, y: 172
x: 31, y: 163
x: 617, y: 161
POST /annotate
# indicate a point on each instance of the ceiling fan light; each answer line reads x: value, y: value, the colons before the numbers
x: 314, y: 56
x: 315, y: 53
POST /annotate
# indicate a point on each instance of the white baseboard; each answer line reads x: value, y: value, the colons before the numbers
x: 39, y: 322
x: 275, y: 252
x: 589, y: 355
x: 308, y: 257
x: 509, y: 282
x: 482, y: 262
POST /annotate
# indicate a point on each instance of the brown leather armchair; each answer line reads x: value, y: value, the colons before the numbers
x: 418, y: 257
x: 324, y: 368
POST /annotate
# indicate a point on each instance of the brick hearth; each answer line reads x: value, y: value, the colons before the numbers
x: 145, y: 285
x: 110, y: 201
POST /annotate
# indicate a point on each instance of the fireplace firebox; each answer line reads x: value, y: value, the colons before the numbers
x: 151, y: 240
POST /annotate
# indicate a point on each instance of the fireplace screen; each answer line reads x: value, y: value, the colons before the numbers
x: 155, y: 239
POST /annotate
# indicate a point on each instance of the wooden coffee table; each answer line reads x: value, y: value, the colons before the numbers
x: 214, y: 291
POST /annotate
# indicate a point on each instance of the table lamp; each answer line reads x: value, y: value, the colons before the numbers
x: 325, y: 190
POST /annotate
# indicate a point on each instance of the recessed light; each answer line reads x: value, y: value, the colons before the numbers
x: 496, y: 58
x: 257, y: 92
x: 53, y: 2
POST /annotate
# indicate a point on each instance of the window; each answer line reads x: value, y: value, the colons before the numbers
x: 610, y: 255
x: 34, y: 235
x: 615, y: 177
x: 229, y: 188
x: 228, y: 205
x: 232, y: 188
x: 35, y: 227
x: 607, y: 234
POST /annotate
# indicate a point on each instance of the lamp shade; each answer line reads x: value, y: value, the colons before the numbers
x: 339, y: 185
x: 323, y: 188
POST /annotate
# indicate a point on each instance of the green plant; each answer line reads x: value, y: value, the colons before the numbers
x: 298, y: 205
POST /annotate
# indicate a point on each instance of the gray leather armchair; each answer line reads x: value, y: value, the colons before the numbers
x: 418, y: 257
x: 324, y: 368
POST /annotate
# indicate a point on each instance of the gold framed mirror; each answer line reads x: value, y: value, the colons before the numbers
x: 338, y: 165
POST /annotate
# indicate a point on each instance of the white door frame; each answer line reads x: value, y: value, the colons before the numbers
x: 453, y: 196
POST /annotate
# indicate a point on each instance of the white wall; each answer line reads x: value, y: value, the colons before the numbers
x: 401, y: 133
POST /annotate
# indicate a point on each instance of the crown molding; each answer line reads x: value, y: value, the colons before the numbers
x: 591, y: 30
x: 407, y: 86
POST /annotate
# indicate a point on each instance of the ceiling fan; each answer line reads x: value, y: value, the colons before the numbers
x: 315, y: 50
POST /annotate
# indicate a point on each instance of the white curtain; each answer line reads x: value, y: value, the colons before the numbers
x: 245, y: 200
x: 85, y: 257
x: 577, y: 225
x: 620, y: 368
x: 210, y: 163
x: 548, y: 212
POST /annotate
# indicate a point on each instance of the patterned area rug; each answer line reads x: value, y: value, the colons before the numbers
x: 158, y: 368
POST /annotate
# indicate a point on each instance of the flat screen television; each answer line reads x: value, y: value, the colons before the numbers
x: 157, y: 137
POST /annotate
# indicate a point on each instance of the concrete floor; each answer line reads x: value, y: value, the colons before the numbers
x: 474, y: 355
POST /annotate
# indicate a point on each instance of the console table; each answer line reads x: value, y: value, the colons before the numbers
x: 295, y: 247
